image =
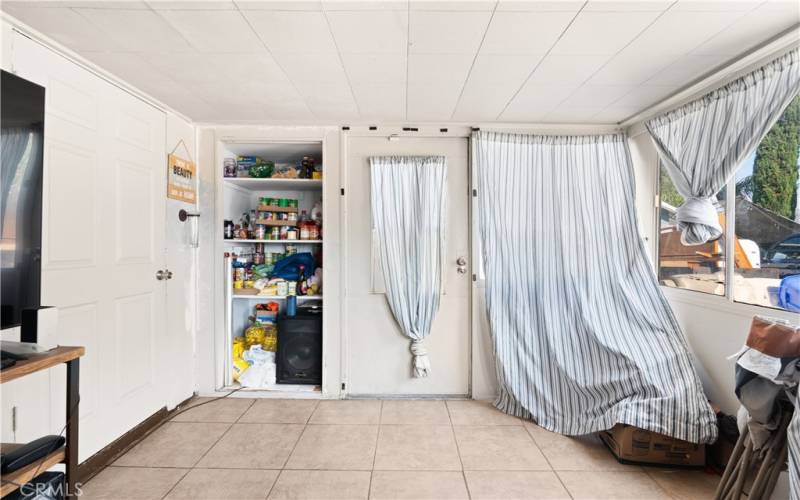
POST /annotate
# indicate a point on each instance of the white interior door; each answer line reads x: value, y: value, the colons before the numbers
x: 102, y: 242
x: 379, y: 360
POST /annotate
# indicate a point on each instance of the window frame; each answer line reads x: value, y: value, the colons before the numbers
x: 726, y: 302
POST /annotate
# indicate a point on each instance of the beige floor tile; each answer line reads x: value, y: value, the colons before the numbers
x: 478, y: 413
x: 512, y: 485
x: 338, y: 447
x: 253, y: 446
x: 175, y: 444
x: 279, y: 411
x: 347, y: 411
x: 502, y: 447
x: 416, y: 412
x: 586, y: 453
x: 220, y: 484
x: 685, y: 484
x: 227, y: 410
x: 417, y: 447
x: 418, y: 485
x: 617, y: 485
x: 321, y: 485
x: 120, y: 483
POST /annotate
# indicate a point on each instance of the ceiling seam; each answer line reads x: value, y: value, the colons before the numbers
x: 341, y: 61
x: 275, y: 60
x: 609, y: 61
x: 527, y: 79
x: 475, y: 58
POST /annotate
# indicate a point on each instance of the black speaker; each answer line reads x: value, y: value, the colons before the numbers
x: 299, y: 356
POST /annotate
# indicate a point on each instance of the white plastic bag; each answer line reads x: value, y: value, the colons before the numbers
x: 262, y: 368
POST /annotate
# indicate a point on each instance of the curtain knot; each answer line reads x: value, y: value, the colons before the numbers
x: 422, y: 364
x: 698, y: 221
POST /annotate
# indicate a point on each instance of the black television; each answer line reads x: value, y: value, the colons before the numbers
x: 21, y: 156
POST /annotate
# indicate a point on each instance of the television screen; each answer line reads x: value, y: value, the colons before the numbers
x: 21, y: 153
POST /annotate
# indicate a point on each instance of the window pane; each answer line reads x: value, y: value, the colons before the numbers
x: 701, y: 267
x: 768, y: 219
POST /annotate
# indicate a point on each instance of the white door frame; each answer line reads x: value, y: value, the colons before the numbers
x: 420, y: 132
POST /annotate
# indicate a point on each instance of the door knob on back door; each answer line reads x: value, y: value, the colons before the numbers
x: 461, y: 261
x: 161, y: 275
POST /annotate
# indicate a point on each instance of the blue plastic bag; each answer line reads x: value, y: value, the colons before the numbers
x: 288, y: 268
x: 789, y: 293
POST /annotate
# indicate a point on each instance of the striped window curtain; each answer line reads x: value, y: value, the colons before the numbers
x: 408, y: 215
x: 703, y: 142
x: 582, y: 336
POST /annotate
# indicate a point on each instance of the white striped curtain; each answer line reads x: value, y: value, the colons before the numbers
x: 408, y: 214
x: 703, y: 142
x: 583, y: 337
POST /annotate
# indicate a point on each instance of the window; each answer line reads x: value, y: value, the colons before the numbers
x: 765, y: 251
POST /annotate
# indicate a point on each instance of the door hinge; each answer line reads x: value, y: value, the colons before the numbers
x: 343, y: 385
x: 13, y: 419
x: 474, y: 193
x: 342, y: 191
x: 474, y: 277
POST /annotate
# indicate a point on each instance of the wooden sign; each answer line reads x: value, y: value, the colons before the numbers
x: 180, y: 179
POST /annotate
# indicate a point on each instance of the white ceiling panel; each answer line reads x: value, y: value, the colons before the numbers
x: 757, y: 26
x: 572, y: 115
x: 524, y: 32
x: 299, y: 5
x: 453, y: 5
x: 305, y: 69
x: 615, y: 114
x: 214, y: 30
x: 483, y: 102
x: 382, y: 32
x: 355, y: 5
x: 137, y: 30
x: 191, y: 4
x: 684, y: 32
x: 372, y: 69
x: 329, y: 102
x: 644, y: 95
x: 539, y: 6
x: 63, y: 25
x: 631, y: 68
x: 257, y: 66
x: 627, y: 6
x: 431, y: 102
x: 534, y: 102
x: 97, y: 4
x: 686, y: 69
x: 439, y: 69
x: 381, y: 102
x: 292, y: 31
x: 594, y: 96
x: 566, y: 70
x: 434, y: 32
x: 133, y: 68
x: 602, y: 32
x: 495, y: 69
x: 716, y: 5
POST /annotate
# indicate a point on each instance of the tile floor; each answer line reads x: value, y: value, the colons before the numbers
x: 268, y: 448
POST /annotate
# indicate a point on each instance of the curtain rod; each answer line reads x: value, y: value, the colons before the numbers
x: 756, y: 56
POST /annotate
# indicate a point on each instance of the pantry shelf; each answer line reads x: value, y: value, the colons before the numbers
x: 270, y: 184
x: 300, y: 298
x: 276, y: 242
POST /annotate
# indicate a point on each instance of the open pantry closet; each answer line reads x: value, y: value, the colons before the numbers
x: 270, y: 227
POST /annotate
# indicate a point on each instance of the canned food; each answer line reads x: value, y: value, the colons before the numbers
x: 260, y: 232
x: 292, y: 287
x: 283, y: 289
x: 283, y: 202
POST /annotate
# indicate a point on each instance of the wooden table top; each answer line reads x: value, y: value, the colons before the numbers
x: 42, y: 361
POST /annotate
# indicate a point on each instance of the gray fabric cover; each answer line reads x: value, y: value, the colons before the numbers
x: 583, y: 337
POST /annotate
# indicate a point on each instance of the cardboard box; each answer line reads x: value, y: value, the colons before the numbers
x: 631, y: 445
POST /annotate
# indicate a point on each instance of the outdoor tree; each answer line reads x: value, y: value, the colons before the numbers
x: 775, y: 171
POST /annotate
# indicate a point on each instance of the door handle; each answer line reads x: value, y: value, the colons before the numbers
x: 161, y: 275
x: 169, y: 274
x: 461, y: 261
